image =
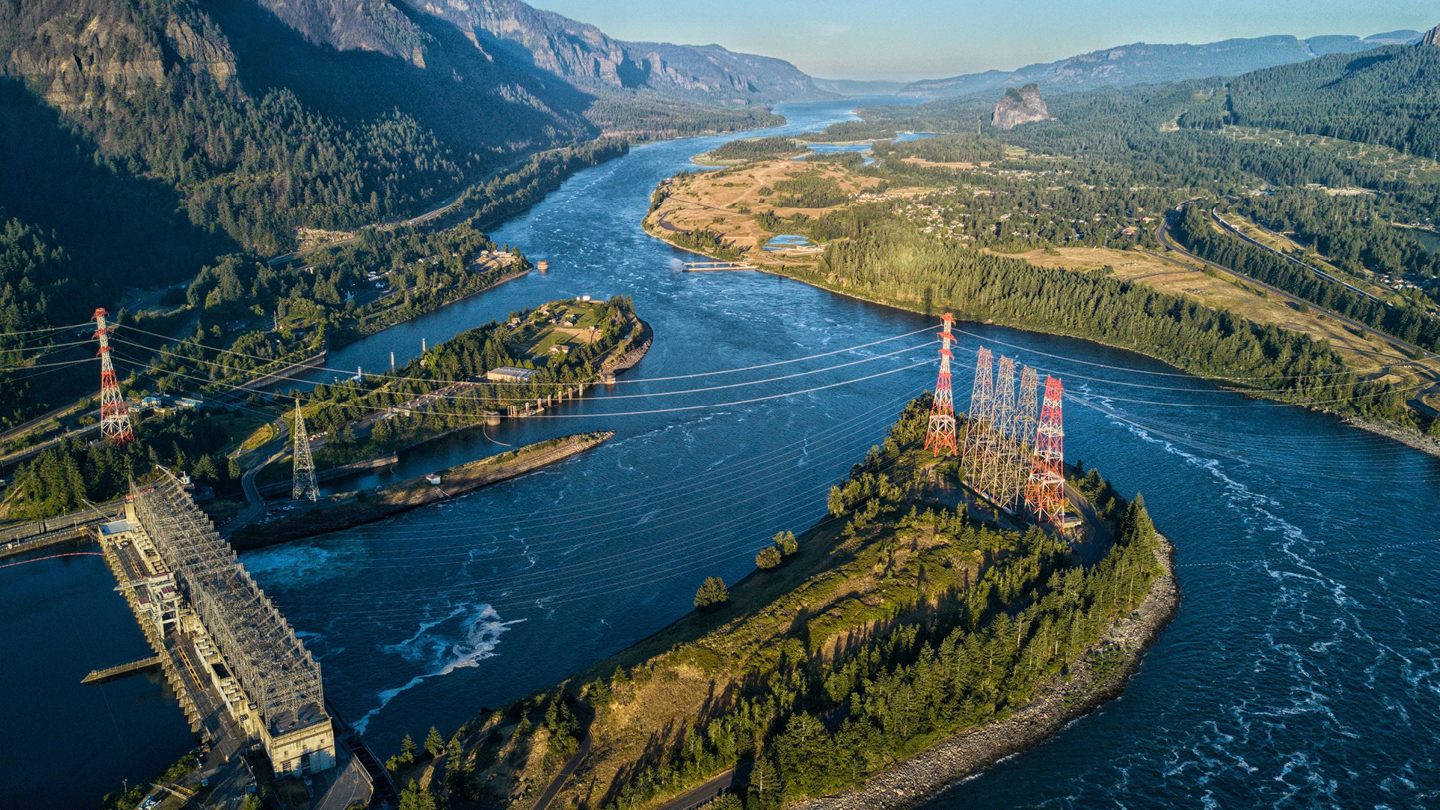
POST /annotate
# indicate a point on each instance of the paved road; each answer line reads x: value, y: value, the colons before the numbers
x: 1163, y: 235
x: 1219, y: 220
x: 255, y: 502
x: 702, y: 794
x: 439, y: 209
x: 559, y: 781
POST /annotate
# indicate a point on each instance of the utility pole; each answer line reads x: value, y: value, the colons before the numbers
x: 304, y: 487
x: 941, y: 433
x: 114, y: 416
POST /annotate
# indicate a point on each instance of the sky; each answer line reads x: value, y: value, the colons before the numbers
x: 914, y: 39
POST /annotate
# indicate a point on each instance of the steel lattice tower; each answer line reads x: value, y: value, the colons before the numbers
x: 941, y: 434
x: 304, y: 487
x: 1009, y: 470
x: 1045, y: 492
x: 977, y: 422
x: 1029, y: 409
x: 114, y: 416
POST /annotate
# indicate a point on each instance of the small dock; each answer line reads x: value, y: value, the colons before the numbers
x: 115, y: 672
x: 707, y: 267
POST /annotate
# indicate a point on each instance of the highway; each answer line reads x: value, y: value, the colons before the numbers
x: 1219, y: 220
x: 1163, y: 235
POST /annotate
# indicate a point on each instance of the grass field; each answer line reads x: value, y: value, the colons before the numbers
x: 728, y: 202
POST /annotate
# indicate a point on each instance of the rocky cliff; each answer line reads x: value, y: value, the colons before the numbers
x: 583, y: 55
x: 1432, y: 37
x: 1018, y: 107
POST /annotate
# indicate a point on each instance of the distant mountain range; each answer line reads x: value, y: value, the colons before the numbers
x: 852, y: 87
x: 1142, y: 63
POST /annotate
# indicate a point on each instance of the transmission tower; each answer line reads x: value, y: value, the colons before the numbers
x: 1045, y: 492
x: 978, y: 420
x: 114, y: 416
x: 941, y: 434
x: 1007, y: 482
x: 1029, y: 408
x: 304, y: 487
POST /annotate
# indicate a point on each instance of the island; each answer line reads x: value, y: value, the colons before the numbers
x: 911, y: 637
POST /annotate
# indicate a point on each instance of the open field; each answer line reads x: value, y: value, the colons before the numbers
x: 729, y: 203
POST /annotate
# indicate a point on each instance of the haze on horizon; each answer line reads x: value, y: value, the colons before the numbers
x: 920, y: 39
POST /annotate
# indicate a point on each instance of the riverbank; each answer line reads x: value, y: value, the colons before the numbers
x: 1097, y: 678
x: 727, y: 220
x: 345, y: 336
x: 357, y: 508
x: 894, y: 587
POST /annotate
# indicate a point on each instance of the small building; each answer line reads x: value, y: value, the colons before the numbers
x: 433, y: 479
x: 509, y: 374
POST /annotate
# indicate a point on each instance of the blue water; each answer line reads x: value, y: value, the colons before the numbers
x: 1301, y: 671
x: 782, y: 241
x: 66, y: 744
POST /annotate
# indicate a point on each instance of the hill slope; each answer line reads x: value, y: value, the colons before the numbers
x: 1142, y: 63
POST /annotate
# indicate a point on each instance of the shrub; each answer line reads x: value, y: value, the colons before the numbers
x: 712, y: 594
x: 768, y: 558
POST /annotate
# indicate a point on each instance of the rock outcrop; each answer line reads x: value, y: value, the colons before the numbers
x: 1432, y: 37
x: 90, y: 52
x: 1018, y: 107
x: 585, y: 56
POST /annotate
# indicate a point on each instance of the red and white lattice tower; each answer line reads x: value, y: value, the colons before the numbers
x: 1045, y: 493
x: 941, y: 434
x: 977, y: 422
x: 114, y: 416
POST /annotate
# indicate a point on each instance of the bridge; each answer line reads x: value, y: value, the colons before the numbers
x: 701, y: 267
x: 239, y: 672
x: 122, y: 670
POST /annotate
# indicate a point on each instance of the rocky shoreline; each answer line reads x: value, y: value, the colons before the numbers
x: 1054, y: 706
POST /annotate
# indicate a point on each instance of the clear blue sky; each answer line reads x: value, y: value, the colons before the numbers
x: 911, y: 39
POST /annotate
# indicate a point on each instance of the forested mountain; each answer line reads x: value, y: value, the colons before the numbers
x: 267, y: 116
x: 1388, y: 96
x: 261, y: 130
x: 584, y: 55
x: 1142, y: 63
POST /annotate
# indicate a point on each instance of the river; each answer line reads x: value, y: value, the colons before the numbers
x: 1301, y: 671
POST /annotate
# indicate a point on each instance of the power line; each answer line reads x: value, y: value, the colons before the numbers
x: 646, y: 380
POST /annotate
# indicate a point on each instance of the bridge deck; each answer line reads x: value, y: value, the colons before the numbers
x: 121, y: 670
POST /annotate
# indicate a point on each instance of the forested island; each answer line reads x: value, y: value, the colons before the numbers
x: 560, y: 347
x: 896, y: 623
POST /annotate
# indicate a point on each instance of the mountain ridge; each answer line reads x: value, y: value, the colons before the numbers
x: 1144, y: 63
x: 589, y: 58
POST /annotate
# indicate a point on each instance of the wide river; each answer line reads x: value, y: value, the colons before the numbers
x: 1301, y: 671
